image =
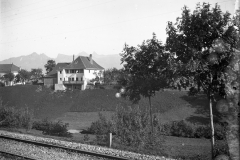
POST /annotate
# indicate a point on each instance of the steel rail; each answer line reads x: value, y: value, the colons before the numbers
x: 65, y: 148
x: 17, y: 155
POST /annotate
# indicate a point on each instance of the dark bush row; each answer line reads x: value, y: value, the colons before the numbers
x: 132, y: 130
x: 101, y: 126
x: 184, y: 129
x: 52, y: 128
x: 11, y: 117
x: 131, y: 127
x: 127, y: 121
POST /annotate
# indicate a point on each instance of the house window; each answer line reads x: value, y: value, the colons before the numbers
x: 67, y: 70
x: 77, y: 79
x: 69, y: 79
x: 89, y: 71
x: 64, y: 79
x: 81, y: 78
x: 73, y: 71
x: 60, y: 79
x: 72, y: 79
x: 80, y: 71
x: 60, y: 72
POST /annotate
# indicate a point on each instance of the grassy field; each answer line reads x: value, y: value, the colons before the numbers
x: 80, y: 109
x: 47, y: 103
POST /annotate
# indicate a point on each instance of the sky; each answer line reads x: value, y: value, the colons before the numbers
x: 69, y: 27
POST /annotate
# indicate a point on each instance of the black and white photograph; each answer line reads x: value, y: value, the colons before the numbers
x: 119, y: 79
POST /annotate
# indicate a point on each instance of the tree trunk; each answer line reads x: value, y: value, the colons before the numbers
x: 150, y: 110
x: 211, y: 122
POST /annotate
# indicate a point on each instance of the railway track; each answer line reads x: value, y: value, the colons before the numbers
x: 89, y: 154
x: 15, y: 156
x: 33, y: 147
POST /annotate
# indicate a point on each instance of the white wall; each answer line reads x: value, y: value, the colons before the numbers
x: 71, y: 75
x: 86, y: 76
x: 91, y: 75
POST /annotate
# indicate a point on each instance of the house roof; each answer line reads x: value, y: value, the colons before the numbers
x: 83, y: 63
x: 6, y: 68
x: 59, y: 66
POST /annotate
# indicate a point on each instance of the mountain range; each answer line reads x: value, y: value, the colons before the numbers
x: 36, y: 60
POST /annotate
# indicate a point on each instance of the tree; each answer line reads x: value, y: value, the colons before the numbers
x: 9, y: 76
x: 229, y: 107
x: 144, y: 70
x: 236, y: 21
x: 50, y: 65
x: 36, y: 73
x: 203, y: 42
x: 111, y: 75
x: 23, y: 75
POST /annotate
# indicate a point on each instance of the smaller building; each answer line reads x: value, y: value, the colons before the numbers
x: 8, y: 68
x: 51, y: 78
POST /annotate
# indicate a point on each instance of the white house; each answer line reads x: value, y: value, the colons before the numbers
x: 8, y: 68
x: 76, y: 75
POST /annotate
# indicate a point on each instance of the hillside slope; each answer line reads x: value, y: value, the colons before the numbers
x: 47, y: 103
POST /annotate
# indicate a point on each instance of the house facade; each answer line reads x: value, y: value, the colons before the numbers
x: 8, y: 68
x: 82, y: 72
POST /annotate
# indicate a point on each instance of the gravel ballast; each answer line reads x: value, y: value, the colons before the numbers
x: 64, y: 155
x: 38, y: 152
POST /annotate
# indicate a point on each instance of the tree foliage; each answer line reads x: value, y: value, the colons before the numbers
x: 23, y: 75
x: 112, y: 75
x: 9, y: 76
x: 236, y: 21
x: 36, y: 73
x: 50, y: 65
x: 203, y: 42
x: 144, y: 69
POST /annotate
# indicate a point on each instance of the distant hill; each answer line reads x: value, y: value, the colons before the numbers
x: 35, y: 60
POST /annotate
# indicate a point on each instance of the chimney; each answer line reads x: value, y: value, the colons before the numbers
x: 73, y: 57
x: 90, y: 59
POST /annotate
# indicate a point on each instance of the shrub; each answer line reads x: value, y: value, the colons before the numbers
x: 86, y: 138
x: 17, y: 118
x: 101, y: 126
x: 184, y: 129
x: 192, y: 91
x: 41, y: 125
x: 101, y: 140
x: 52, y: 128
x: 2, y: 84
x: 131, y: 127
x: 220, y: 131
x: 202, y: 132
x: 26, y: 118
x: 221, y: 147
x: 165, y: 129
